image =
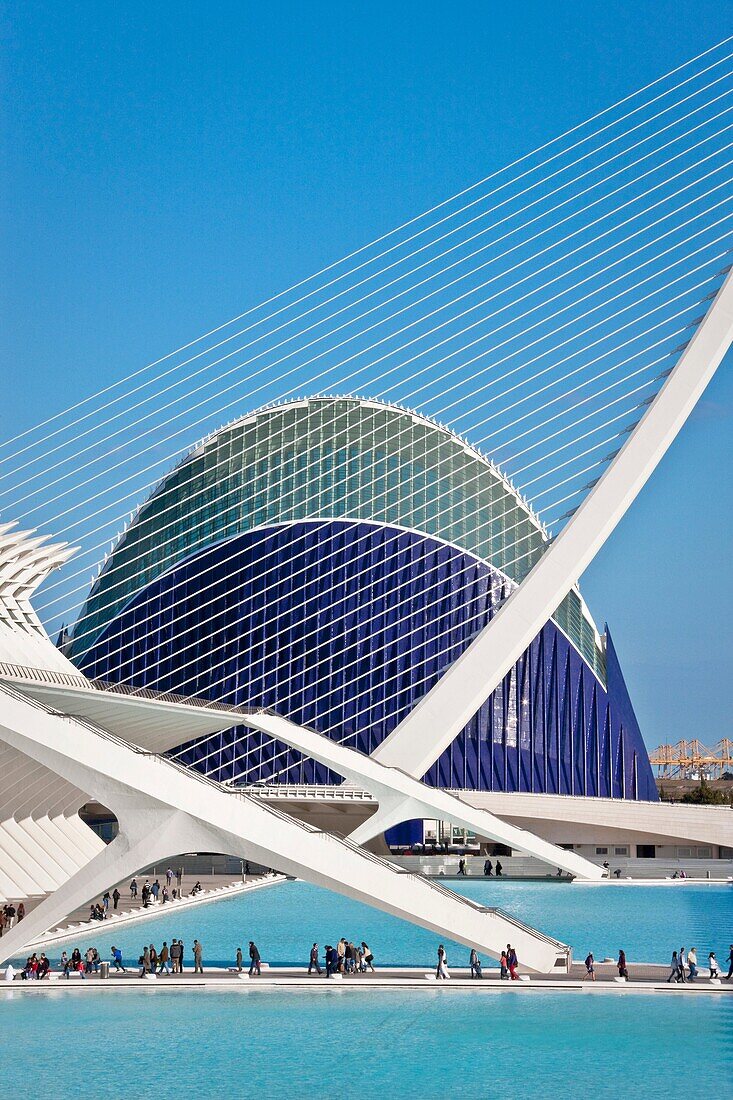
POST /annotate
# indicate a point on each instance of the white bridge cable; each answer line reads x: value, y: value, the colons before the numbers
x: 78, y: 452
x: 76, y: 468
x: 608, y: 352
x: 582, y: 282
x: 401, y: 398
x: 223, y: 504
x: 161, y: 530
x: 412, y: 221
x: 334, y: 539
x: 77, y: 534
x: 306, y: 588
x: 494, y: 364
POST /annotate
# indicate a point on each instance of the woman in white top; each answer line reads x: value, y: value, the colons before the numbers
x: 713, y: 964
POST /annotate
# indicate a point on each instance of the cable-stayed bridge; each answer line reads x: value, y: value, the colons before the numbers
x: 528, y: 349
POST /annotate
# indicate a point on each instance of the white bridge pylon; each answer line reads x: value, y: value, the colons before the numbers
x: 439, y: 717
x: 164, y: 809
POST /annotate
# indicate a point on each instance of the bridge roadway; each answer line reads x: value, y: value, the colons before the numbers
x: 645, y: 978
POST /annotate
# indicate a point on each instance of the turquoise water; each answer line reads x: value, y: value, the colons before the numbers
x: 284, y: 920
x: 429, y: 1046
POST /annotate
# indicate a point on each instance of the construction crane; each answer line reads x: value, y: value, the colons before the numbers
x: 692, y: 760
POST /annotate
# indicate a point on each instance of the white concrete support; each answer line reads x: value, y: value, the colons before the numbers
x: 402, y: 797
x: 440, y: 715
x: 164, y: 809
x: 42, y: 838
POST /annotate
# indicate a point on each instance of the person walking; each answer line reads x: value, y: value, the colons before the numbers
x: 133, y: 888
x: 21, y: 915
x: 117, y: 959
x: 441, y: 972
x: 461, y: 866
x: 145, y: 965
x: 504, y: 965
x: 329, y: 960
x: 169, y: 876
x: 239, y: 960
x: 475, y: 963
x: 499, y: 868
x: 513, y: 963
x: 197, y: 953
x: 713, y: 965
x: 728, y: 976
x: 313, y: 963
x: 115, y: 898
x: 682, y: 962
x: 105, y: 902
x: 164, y: 959
x: 368, y: 957
x: 590, y: 967
x: 488, y: 868
x: 341, y: 954
x: 181, y: 956
x: 692, y: 963
x: 88, y: 960
x: 254, y: 959
x: 674, y: 969
x: 623, y: 971
x: 175, y: 954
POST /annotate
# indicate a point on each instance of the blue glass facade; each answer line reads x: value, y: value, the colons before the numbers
x: 344, y: 625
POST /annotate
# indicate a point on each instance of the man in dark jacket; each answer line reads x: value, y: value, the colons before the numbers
x: 314, y: 963
x: 254, y: 957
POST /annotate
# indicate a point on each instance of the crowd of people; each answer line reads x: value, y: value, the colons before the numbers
x: 9, y: 915
x: 154, y: 892
x: 508, y: 963
x: 346, y: 957
x: 683, y: 966
x: 150, y: 893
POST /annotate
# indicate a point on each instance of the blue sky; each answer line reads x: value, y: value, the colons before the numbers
x: 166, y: 166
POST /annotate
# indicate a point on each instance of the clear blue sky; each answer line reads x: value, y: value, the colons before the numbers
x: 165, y: 166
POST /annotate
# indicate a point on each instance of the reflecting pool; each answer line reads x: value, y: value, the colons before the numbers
x: 363, y: 1044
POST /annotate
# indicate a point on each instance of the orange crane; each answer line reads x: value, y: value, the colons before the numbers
x: 692, y: 760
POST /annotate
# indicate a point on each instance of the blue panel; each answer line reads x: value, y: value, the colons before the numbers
x: 344, y: 627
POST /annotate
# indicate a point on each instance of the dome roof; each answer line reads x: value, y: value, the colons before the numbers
x: 327, y: 458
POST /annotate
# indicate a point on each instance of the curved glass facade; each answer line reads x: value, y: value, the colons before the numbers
x: 330, y: 559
